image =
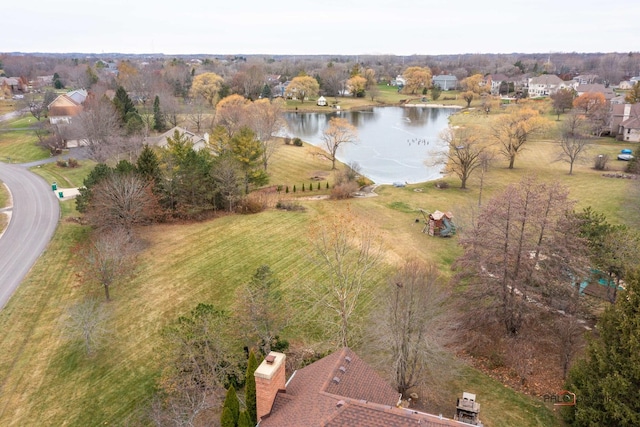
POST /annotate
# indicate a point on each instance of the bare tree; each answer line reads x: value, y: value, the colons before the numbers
x: 197, y: 115
x: 265, y: 118
x: 99, y: 126
x: 463, y: 153
x: 200, y: 360
x: 87, y: 321
x: 122, y: 200
x: 574, y: 140
x: 260, y: 309
x: 338, y: 133
x: 346, y: 251
x: 109, y: 258
x: 413, y: 326
x: 523, y: 244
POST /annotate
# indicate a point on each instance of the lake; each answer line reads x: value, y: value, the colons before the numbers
x: 393, y: 142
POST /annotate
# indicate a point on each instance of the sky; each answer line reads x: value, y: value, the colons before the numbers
x: 322, y: 27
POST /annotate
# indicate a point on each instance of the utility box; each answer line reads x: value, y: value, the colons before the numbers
x: 54, y: 186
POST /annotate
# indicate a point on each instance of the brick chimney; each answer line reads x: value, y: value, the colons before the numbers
x: 270, y: 378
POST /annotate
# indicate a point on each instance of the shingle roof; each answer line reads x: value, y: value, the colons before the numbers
x: 341, y: 390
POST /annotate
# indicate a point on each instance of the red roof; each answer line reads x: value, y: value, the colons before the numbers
x: 341, y: 390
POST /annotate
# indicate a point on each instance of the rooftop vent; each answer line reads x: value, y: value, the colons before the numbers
x: 336, y: 380
x: 340, y: 403
x: 343, y: 369
x: 348, y: 359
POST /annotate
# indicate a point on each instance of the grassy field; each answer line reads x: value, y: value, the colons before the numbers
x: 20, y: 147
x: 46, y: 379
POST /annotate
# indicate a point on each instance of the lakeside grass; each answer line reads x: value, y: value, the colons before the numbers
x: 47, y: 380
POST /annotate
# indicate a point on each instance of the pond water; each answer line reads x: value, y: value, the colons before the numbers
x: 393, y: 142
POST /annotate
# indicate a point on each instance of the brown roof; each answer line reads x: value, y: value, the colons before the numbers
x: 342, y: 390
x: 65, y: 110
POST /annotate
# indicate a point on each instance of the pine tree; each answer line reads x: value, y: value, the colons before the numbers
x: 232, y: 404
x: 244, y: 420
x: 159, y: 123
x: 148, y: 164
x: 226, y: 420
x: 606, y: 382
x: 250, y: 389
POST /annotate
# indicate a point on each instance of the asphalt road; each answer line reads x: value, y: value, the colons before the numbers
x: 34, y: 218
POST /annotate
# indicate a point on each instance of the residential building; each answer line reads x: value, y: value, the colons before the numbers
x: 64, y: 108
x: 625, y: 122
x: 596, y: 88
x: 445, y: 81
x: 198, y: 142
x: 337, y: 390
x: 546, y: 85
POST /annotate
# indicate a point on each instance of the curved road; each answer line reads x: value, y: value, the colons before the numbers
x: 34, y: 218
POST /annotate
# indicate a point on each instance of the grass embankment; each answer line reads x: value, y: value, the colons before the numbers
x: 45, y: 380
x: 65, y: 177
x: 4, y: 202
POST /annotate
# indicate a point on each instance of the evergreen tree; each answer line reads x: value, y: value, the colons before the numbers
x: 266, y: 92
x: 99, y: 172
x: 227, y: 418
x: 231, y: 404
x: 127, y: 111
x: 159, y: 123
x: 606, y: 383
x: 244, y: 420
x: 250, y: 389
x: 148, y: 164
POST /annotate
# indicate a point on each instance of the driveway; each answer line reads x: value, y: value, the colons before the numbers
x: 34, y: 217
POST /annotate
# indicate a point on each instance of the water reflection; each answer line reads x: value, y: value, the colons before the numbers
x: 394, y: 142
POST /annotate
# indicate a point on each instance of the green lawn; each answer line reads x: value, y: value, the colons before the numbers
x: 20, y: 147
x: 65, y: 177
x: 46, y: 380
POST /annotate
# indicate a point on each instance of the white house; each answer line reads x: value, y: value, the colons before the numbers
x: 445, y: 81
x: 322, y: 101
x: 546, y: 85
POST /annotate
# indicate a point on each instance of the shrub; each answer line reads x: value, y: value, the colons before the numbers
x: 600, y: 162
x: 327, y: 185
x: 287, y: 190
x: 442, y: 184
x: 287, y: 140
x: 73, y: 163
x: 294, y: 188
x: 297, y: 142
x: 303, y: 186
x: 287, y: 205
x: 344, y: 190
x: 318, y: 185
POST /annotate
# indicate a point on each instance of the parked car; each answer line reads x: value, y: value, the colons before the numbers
x: 625, y: 155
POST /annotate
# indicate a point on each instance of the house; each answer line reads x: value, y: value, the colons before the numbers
x: 625, y: 122
x: 595, y: 88
x: 586, y: 79
x: 625, y: 85
x: 198, y: 142
x: 493, y: 82
x: 63, y: 109
x: 445, y: 81
x: 399, y: 81
x: 337, y: 390
x: 546, y: 85
x: 322, y: 101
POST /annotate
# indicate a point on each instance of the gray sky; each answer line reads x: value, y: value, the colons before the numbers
x: 401, y: 27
